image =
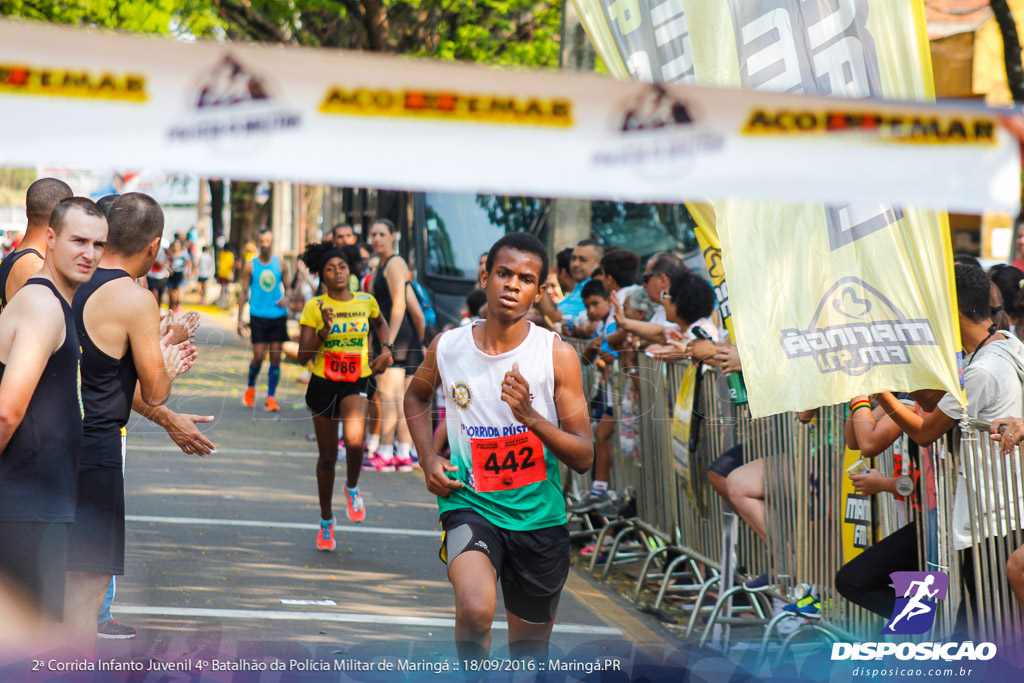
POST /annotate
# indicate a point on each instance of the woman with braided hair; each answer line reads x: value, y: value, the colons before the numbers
x: 334, y: 334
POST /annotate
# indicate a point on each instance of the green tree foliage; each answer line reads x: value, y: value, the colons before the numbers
x: 507, y: 32
x: 193, y: 17
x: 511, y: 32
x: 504, y: 32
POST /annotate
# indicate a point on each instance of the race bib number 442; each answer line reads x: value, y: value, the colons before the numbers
x: 507, y: 463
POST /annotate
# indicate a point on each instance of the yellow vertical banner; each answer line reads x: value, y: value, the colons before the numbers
x: 711, y: 248
x: 687, y: 469
x: 856, y: 509
x: 827, y: 302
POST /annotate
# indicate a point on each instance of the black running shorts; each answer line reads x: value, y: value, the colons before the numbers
x: 268, y: 330
x: 532, y: 565
x: 156, y: 284
x: 324, y: 397
x: 96, y: 538
x: 33, y: 562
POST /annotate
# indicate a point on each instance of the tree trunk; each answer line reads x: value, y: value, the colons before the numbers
x: 313, y: 201
x: 375, y: 22
x: 216, y: 208
x: 1011, y: 48
x: 1014, y: 70
x: 243, y: 215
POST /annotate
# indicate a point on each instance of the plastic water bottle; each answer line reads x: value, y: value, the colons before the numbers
x: 737, y: 388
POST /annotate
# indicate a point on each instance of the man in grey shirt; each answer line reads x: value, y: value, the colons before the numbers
x: 993, y: 375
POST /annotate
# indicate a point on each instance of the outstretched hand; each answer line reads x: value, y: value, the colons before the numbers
x: 183, y: 431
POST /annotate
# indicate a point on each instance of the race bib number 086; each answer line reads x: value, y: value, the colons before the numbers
x: 507, y: 463
x: 343, y: 367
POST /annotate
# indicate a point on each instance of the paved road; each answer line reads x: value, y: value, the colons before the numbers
x: 220, y: 549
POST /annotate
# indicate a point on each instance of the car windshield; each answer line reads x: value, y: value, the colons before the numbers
x: 461, y: 227
x: 644, y: 228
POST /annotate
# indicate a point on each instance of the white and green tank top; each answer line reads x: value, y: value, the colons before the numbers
x: 510, y: 477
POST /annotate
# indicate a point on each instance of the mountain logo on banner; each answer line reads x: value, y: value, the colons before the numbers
x: 230, y: 84
x: 233, y: 108
x: 660, y: 136
x: 655, y: 109
x: 917, y: 594
x: 855, y: 329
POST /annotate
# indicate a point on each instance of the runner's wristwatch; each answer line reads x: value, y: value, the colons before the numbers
x: 389, y: 347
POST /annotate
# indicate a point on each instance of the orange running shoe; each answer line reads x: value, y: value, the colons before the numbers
x: 356, y: 509
x: 272, y: 404
x: 325, y: 537
x: 249, y: 400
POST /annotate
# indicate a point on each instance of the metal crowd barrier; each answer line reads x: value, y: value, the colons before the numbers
x: 994, y: 496
x: 699, y: 550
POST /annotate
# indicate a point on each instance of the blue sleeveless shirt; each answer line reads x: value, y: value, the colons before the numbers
x: 266, y: 289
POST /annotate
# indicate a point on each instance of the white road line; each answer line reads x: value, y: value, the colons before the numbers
x: 171, y: 448
x: 201, y: 521
x: 344, y: 617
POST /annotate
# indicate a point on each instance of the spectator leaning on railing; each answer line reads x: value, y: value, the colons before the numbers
x: 994, y: 369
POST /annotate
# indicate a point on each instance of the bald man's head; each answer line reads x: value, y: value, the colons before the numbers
x: 42, y: 198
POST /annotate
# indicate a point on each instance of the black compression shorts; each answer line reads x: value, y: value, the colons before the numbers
x: 532, y: 565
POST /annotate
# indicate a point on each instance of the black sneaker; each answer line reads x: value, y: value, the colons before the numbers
x: 112, y: 630
x: 603, y: 502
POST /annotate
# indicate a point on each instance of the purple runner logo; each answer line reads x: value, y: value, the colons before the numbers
x: 916, y: 596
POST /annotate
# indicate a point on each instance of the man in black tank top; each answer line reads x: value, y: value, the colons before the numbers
x: 41, y: 407
x: 118, y: 325
x: 40, y: 200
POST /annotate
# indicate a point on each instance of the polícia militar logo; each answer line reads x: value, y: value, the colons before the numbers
x: 917, y: 594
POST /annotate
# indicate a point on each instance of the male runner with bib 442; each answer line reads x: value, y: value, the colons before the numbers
x: 515, y: 406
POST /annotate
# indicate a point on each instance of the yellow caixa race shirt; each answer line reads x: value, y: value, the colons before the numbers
x: 344, y: 356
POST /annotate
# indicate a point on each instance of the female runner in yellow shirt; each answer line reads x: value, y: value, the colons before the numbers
x: 335, y: 336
